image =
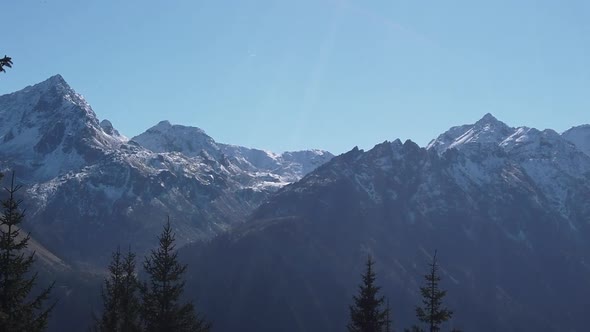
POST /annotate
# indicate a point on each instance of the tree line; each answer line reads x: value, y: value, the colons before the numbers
x: 154, y: 304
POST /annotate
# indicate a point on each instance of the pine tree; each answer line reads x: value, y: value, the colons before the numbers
x: 5, y: 62
x: 161, y: 307
x: 121, y: 303
x: 366, y: 315
x: 19, y: 311
x: 433, y: 313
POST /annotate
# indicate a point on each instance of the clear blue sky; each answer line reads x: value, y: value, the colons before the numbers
x: 331, y: 74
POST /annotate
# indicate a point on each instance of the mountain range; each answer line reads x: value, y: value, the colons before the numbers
x: 507, y: 209
x: 284, y: 236
x: 89, y: 188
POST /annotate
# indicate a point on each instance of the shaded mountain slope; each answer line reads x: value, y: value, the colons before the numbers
x: 513, y: 247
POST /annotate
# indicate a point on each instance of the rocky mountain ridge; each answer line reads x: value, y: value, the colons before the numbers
x: 507, y: 209
x: 85, y: 180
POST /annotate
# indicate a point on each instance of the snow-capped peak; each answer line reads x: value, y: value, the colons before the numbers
x: 56, y: 81
x: 487, y: 131
x: 50, y: 124
x: 166, y: 137
x: 193, y: 141
x: 489, y: 119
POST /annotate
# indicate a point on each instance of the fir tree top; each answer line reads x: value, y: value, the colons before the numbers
x: 162, y: 309
x: 366, y: 314
x: 433, y: 313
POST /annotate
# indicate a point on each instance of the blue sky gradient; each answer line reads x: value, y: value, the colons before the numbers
x: 330, y: 74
